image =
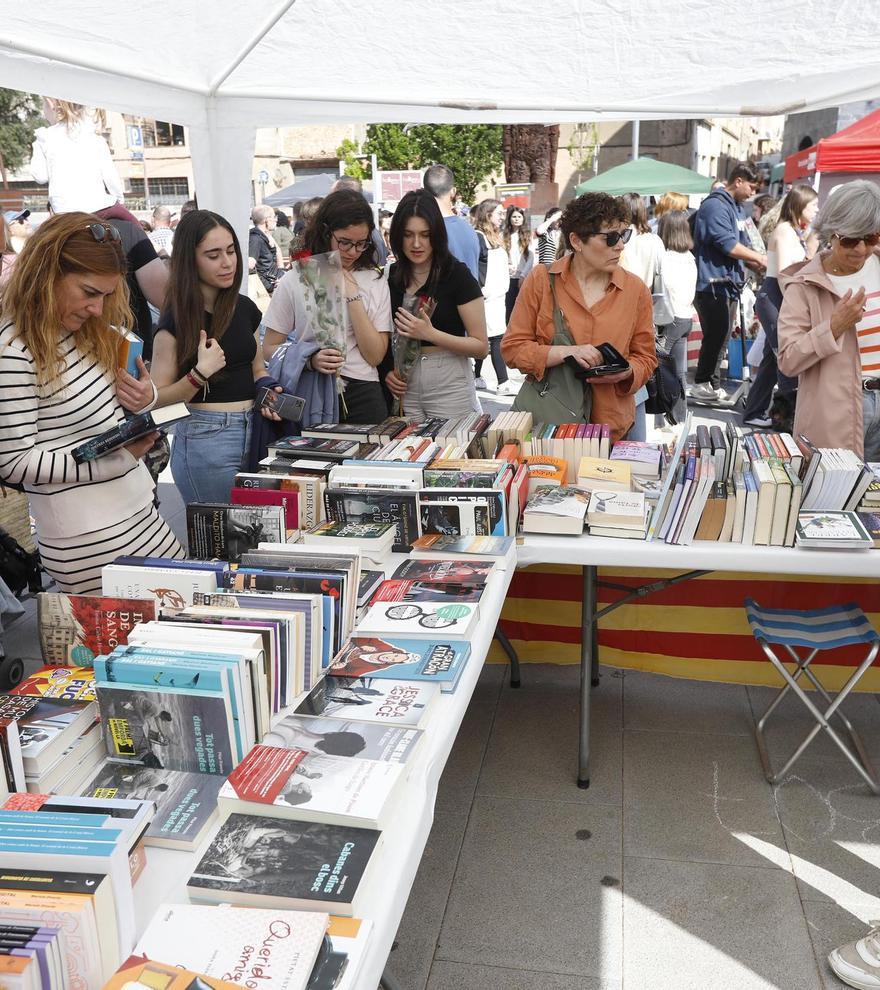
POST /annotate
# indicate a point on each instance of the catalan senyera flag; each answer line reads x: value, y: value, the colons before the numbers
x: 696, y: 629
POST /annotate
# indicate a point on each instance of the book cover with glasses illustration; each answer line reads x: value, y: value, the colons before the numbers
x: 453, y: 619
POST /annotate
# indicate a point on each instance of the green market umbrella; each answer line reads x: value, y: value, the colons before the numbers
x: 648, y: 178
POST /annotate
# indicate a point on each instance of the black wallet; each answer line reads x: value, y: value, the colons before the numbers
x: 614, y: 362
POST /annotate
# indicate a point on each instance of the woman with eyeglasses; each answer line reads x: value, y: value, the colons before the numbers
x: 343, y: 222
x: 61, y: 386
x: 440, y: 382
x: 206, y: 354
x: 829, y: 325
x: 600, y: 303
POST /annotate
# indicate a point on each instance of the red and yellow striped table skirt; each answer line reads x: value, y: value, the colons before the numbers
x: 695, y: 629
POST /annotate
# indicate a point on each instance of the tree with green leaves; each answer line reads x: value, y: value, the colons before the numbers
x: 472, y: 151
x: 20, y: 115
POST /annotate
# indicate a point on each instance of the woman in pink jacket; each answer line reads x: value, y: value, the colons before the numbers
x: 829, y: 325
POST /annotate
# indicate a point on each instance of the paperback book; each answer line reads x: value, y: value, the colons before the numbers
x: 70, y: 683
x: 403, y: 659
x: 129, y: 430
x: 77, y: 628
x: 455, y: 620
x: 365, y: 505
x: 371, y: 699
x: 225, y: 532
x: 254, y: 860
x: 339, y: 737
x: 310, y: 786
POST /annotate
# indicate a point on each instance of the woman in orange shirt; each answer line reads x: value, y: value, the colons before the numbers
x: 601, y: 303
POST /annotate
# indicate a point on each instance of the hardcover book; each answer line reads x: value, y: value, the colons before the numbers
x: 186, y: 803
x: 254, y: 860
x: 310, y: 786
x: 403, y: 659
x: 225, y: 532
x: 273, y: 949
x: 339, y: 737
x: 128, y: 430
x: 76, y: 628
x: 371, y: 699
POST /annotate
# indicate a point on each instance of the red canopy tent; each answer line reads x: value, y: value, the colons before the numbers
x: 855, y: 149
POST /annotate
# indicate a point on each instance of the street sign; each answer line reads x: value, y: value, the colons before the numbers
x: 263, y: 176
x: 135, y: 137
x: 514, y: 194
x: 137, y: 156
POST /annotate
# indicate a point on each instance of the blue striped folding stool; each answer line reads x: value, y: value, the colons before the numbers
x: 814, y: 630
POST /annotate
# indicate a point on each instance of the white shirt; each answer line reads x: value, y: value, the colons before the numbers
x: 642, y: 256
x: 785, y: 248
x: 680, y: 278
x: 287, y: 314
x: 76, y: 163
x: 162, y: 238
x: 868, y: 328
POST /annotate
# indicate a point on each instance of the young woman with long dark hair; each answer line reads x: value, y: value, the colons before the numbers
x: 440, y: 382
x: 520, y: 253
x: 61, y: 387
x: 344, y: 223
x: 206, y: 353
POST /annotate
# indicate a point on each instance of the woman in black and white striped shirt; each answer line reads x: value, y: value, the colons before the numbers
x: 60, y: 386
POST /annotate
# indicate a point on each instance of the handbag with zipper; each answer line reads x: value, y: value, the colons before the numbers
x: 559, y: 397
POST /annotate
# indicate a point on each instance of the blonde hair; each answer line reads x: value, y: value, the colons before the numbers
x: 61, y: 246
x: 70, y: 114
x: 668, y: 202
x: 483, y: 223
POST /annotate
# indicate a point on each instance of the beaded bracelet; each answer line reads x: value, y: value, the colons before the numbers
x: 351, y: 299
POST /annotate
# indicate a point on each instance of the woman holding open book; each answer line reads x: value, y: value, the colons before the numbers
x: 439, y: 315
x: 596, y: 302
x: 206, y: 353
x: 60, y: 386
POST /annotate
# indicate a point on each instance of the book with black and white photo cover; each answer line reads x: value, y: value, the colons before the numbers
x: 559, y: 510
x: 186, y: 803
x: 258, y: 861
x: 129, y: 430
x: 341, y: 737
x: 218, y: 531
x: 368, y: 505
x: 171, y: 728
x: 450, y: 619
x: 372, y: 699
x: 832, y: 530
x: 311, y: 786
x: 272, y: 949
x: 404, y: 659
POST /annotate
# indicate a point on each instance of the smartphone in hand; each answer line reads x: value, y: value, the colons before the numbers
x: 287, y: 406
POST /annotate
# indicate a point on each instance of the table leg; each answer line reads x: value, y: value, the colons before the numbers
x: 507, y: 646
x: 589, y: 657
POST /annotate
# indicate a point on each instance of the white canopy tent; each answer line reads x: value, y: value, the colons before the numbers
x: 226, y: 67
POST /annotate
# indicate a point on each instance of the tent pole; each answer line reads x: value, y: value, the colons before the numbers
x: 635, y: 146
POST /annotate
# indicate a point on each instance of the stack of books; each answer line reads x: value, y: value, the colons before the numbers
x: 569, y: 442
x: 618, y: 513
x: 47, y: 744
x: 558, y: 510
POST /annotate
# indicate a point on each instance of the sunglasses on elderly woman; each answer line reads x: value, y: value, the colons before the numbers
x: 871, y: 240
x: 102, y: 233
x: 611, y: 236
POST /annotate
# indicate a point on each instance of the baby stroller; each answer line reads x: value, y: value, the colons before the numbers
x: 20, y: 574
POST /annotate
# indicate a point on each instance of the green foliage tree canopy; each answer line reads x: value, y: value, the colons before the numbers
x: 472, y: 151
x: 20, y: 116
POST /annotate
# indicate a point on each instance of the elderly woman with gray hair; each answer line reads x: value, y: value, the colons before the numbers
x: 829, y: 325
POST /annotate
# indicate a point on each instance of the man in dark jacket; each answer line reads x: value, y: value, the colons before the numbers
x: 262, y: 250
x: 721, y: 248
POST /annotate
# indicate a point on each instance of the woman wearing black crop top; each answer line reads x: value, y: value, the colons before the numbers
x: 441, y: 382
x: 205, y: 353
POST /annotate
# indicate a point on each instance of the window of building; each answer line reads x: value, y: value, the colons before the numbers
x: 159, y: 133
x: 172, y: 187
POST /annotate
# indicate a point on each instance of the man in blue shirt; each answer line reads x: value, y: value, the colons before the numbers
x: 721, y: 248
x: 464, y: 244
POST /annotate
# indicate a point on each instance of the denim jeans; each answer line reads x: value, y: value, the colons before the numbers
x: 674, y: 337
x: 208, y: 451
x: 639, y: 429
x: 871, y: 407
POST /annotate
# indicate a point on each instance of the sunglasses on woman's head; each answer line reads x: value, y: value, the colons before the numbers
x: 102, y: 233
x: 611, y: 236
x: 871, y: 240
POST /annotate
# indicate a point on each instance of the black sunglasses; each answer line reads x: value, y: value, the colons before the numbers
x: 102, y: 233
x: 871, y: 240
x: 611, y: 236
